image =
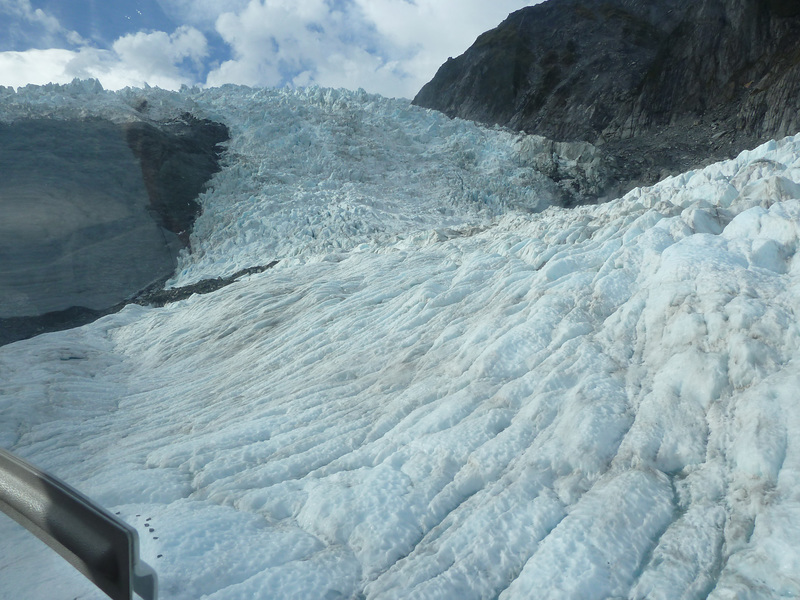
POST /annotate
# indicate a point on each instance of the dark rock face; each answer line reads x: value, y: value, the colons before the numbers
x: 20, y: 328
x: 177, y: 159
x: 92, y: 212
x: 660, y: 86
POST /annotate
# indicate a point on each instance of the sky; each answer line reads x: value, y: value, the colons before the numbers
x: 390, y: 47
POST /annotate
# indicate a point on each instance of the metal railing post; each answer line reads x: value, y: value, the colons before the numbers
x: 99, y: 544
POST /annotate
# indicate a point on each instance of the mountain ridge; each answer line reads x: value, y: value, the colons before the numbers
x: 661, y: 87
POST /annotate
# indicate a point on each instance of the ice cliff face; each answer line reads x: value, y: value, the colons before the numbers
x: 436, y: 392
x: 93, y: 206
x: 661, y: 86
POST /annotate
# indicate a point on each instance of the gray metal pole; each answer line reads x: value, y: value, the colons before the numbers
x: 100, y: 545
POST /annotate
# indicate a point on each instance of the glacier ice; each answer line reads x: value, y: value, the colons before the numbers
x: 437, y: 393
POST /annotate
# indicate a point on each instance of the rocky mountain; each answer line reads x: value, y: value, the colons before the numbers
x: 659, y: 87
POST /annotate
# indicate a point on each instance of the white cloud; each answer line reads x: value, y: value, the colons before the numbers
x: 160, y: 54
x: 34, y: 66
x: 277, y: 41
x: 157, y: 59
x: 392, y: 47
x: 25, y: 24
x: 388, y: 46
x: 426, y: 32
x: 22, y: 9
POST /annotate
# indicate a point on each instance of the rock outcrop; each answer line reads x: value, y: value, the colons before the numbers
x: 660, y: 87
x: 177, y: 159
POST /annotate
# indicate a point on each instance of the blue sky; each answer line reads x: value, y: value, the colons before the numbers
x: 390, y: 47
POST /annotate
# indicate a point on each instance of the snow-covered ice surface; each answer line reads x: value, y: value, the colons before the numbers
x: 316, y: 171
x: 321, y: 171
x: 438, y: 394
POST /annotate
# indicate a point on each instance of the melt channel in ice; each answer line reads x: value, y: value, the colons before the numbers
x: 437, y: 395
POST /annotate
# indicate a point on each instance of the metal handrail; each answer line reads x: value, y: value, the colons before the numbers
x: 97, y: 543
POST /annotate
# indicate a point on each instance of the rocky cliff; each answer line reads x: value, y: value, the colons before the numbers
x: 659, y: 87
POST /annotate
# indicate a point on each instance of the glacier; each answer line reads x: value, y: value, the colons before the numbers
x: 446, y: 387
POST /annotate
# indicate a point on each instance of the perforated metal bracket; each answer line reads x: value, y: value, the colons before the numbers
x: 100, y: 545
